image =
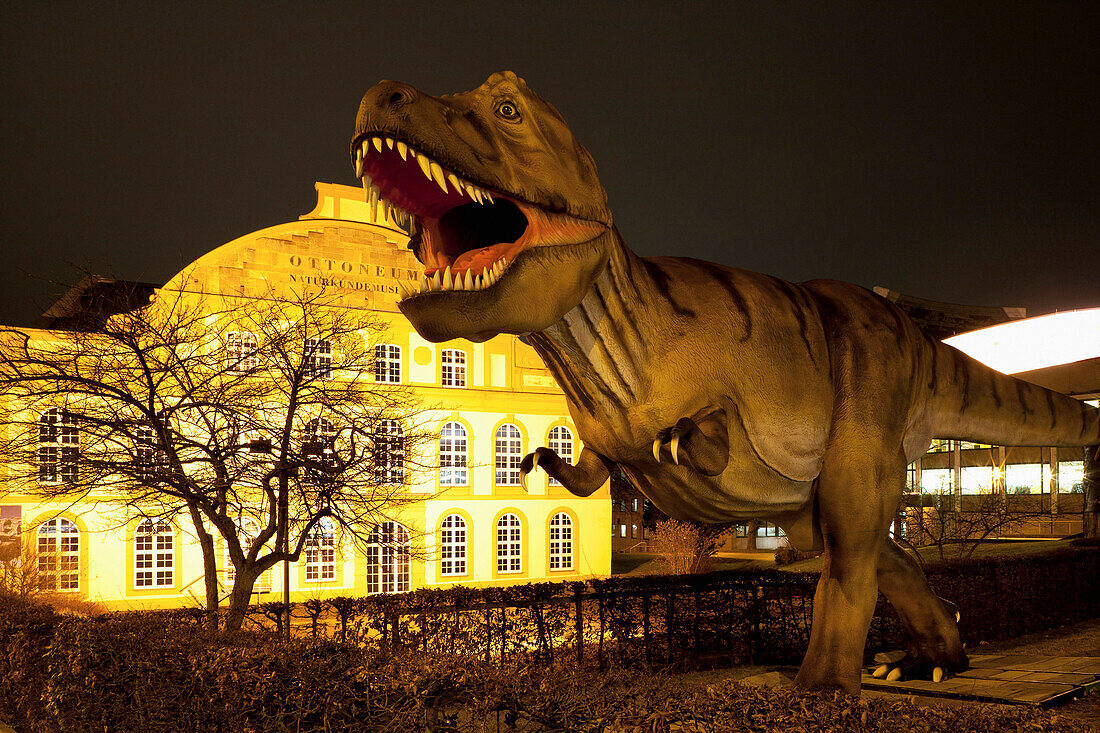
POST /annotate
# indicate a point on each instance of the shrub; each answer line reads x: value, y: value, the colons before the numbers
x: 785, y: 554
x: 158, y: 673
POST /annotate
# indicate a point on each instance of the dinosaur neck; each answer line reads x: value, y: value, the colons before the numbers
x: 597, y: 350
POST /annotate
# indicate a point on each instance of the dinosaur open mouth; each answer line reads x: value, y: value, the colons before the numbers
x: 464, y: 233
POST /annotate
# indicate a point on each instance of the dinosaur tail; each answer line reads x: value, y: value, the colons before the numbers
x: 971, y: 401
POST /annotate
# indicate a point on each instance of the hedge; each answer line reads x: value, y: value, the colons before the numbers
x: 431, y: 660
x: 716, y: 619
x: 157, y: 672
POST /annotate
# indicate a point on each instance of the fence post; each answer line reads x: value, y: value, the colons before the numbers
x: 488, y: 632
x: 578, y: 621
x: 599, y: 649
x: 645, y: 627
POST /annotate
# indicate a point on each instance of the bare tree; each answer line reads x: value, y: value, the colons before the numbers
x: 259, y: 418
x: 934, y: 519
x: 685, y: 547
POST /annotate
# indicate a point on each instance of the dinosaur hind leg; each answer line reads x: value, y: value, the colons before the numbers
x: 932, y: 636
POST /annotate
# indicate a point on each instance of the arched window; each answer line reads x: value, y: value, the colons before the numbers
x: 154, y: 554
x: 389, y: 452
x: 242, y: 352
x: 59, y: 556
x: 387, y: 363
x: 321, y: 551
x: 509, y: 544
x: 452, y: 545
x: 317, y: 359
x: 319, y: 451
x: 452, y: 454
x: 454, y: 368
x: 58, y: 447
x: 247, y: 532
x: 509, y: 453
x: 561, y: 542
x: 388, y: 551
x: 561, y: 442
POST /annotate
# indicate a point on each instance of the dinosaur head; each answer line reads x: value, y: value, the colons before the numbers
x: 504, y: 207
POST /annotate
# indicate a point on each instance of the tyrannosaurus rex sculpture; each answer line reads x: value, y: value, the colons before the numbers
x: 723, y: 394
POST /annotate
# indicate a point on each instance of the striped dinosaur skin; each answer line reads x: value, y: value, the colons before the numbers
x: 723, y: 394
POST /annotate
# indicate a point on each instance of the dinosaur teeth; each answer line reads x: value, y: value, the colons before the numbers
x: 437, y: 174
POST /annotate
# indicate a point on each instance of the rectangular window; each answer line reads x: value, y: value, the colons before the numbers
x: 242, y: 353
x: 317, y: 361
x: 1071, y: 477
x: 1024, y: 478
x: 936, y: 481
x: 977, y: 479
x: 387, y: 363
x: 633, y: 505
x: 454, y: 368
x: 622, y: 530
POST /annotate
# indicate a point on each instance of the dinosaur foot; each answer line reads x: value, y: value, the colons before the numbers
x: 926, y: 659
x: 689, y: 443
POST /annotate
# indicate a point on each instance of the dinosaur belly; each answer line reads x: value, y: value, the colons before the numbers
x: 742, y: 491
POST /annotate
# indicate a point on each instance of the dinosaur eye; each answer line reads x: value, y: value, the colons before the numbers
x: 508, y: 110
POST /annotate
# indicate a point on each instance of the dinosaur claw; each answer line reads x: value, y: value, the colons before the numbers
x: 523, y: 480
x: 958, y: 617
x: 881, y: 671
x: 675, y: 446
x: 657, y: 449
x: 535, y: 462
x: 937, y: 674
x: 895, y: 675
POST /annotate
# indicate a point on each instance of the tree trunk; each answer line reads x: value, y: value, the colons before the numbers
x: 1091, y: 487
x: 240, y: 596
x: 209, y: 567
x: 750, y: 540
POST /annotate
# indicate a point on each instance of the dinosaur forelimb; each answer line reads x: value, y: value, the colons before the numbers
x: 701, y: 443
x: 582, y: 479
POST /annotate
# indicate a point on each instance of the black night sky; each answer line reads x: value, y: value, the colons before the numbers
x: 946, y: 151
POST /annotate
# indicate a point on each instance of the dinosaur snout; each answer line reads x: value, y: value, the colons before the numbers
x: 391, y: 96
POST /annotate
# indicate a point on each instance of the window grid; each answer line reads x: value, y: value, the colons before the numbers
x: 561, y: 442
x: 247, y: 531
x: 388, y: 554
x: 154, y: 555
x: 454, y: 368
x: 452, y: 455
x: 387, y: 363
x: 242, y: 352
x: 319, y: 447
x: 317, y: 358
x: 321, y: 551
x: 509, y: 453
x: 509, y: 544
x: 561, y: 542
x: 389, y: 452
x: 59, y: 556
x: 452, y: 546
x: 58, y: 447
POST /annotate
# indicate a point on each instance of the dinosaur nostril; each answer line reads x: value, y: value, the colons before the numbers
x: 397, y: 98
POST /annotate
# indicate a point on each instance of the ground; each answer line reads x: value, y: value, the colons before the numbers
x: 1080, y: 640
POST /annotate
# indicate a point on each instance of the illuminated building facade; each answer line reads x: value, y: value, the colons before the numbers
x: 496, y: 402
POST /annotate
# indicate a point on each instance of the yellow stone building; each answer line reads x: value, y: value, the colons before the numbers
x: 479, y: 526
